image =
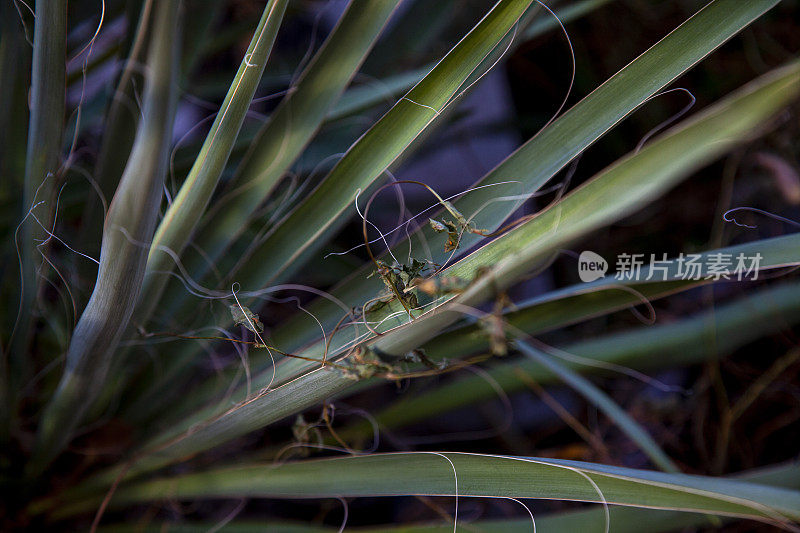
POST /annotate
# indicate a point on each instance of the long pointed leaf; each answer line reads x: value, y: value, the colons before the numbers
x: 612, y: 194
x: 619, y: 190
x: 298, y: 233
x: 545, y: 154
x: 294, y: 122
x: 180, y: 220
x: 45, y: 129
x: 118, y: 138
x: 662, y: 346
x: 572, y: 304
x: 128, y: 229
x: 604, y: 403
x: 541, y: 157
x: 682, y: 342
x: 451, y: 473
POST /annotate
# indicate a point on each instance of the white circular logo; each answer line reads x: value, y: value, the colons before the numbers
x: 591, y: 266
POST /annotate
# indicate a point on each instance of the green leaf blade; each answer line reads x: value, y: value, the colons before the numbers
x: 128, y: 229
x: 300, y: 231
x: 545, y: 154
x: 439, y: 473
x: 294, y: 122
x: 620, y: 189
x: 183, y: 215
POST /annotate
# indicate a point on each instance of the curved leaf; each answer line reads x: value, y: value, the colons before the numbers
x: 298, y: 233
x: 294, y: 122
x: 612, y: 194
x: 128, y: 229
x: 464, y: 474
x: 544, y: 155
x: 180, y: 220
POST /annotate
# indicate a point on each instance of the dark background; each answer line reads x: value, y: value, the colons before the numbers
x: 505, y: 109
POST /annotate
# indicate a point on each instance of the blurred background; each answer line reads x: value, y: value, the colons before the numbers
x: 690, y: 415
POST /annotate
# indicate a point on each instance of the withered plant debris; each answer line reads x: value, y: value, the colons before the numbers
x: 242, y: 316
x: 454, y: 229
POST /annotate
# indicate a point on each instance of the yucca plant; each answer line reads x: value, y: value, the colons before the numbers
x: 140, y: 255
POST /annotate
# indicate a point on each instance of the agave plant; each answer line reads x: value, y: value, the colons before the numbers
x: 154, y: 282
